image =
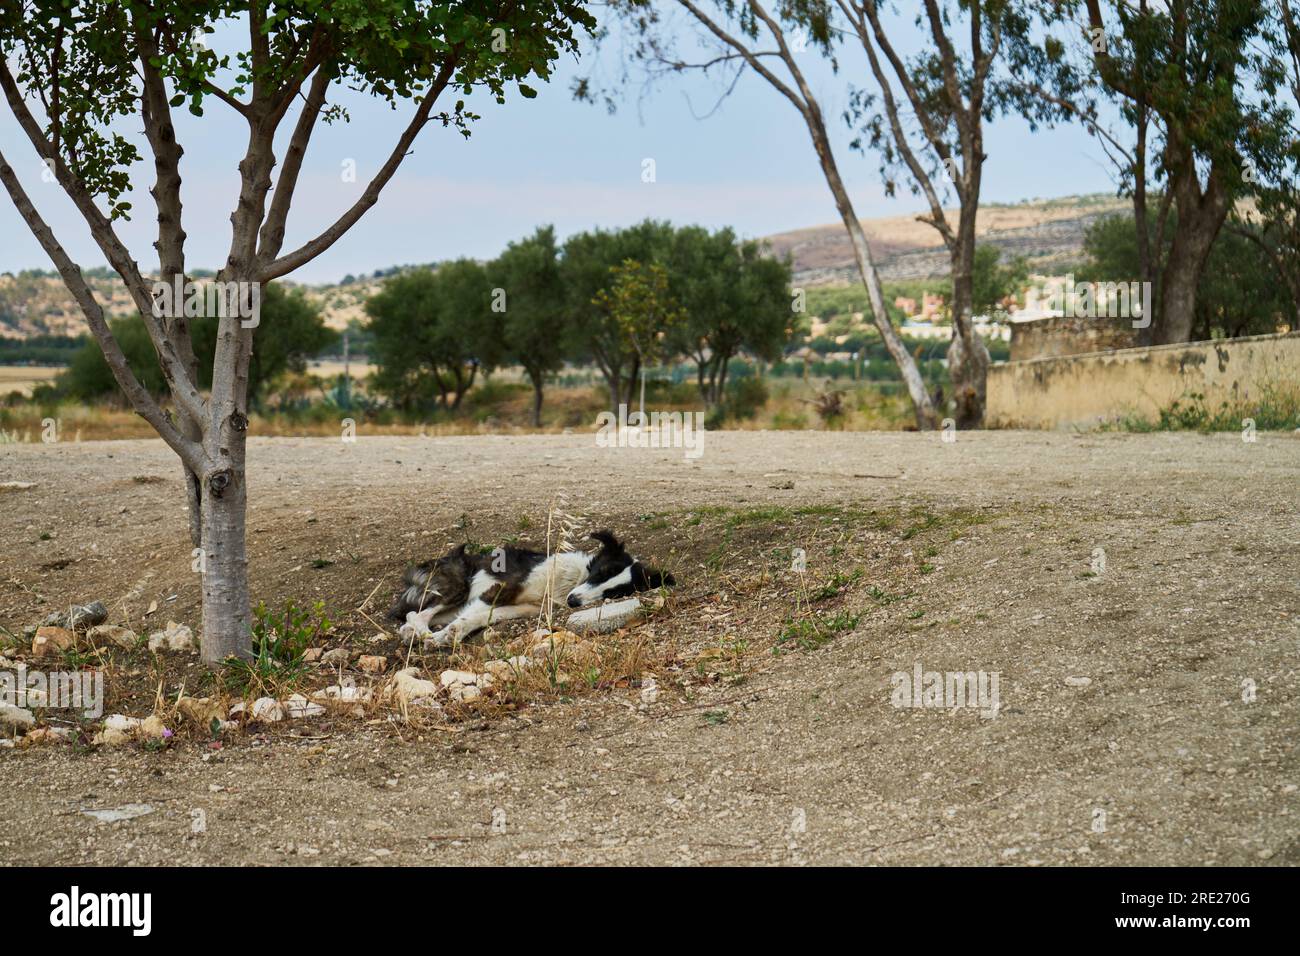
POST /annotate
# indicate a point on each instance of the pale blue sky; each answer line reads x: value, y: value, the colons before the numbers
x: 549, y: 160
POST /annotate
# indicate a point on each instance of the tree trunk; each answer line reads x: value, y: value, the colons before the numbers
x: 227, y: 621
x: 925, y: 416
x: 1197, y: 229
x: 968, y: 357
x: 537, y: 398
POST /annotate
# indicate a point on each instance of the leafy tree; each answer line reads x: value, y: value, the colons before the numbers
x: 99, y: 66
x: 735, y: 297
x: 593, y: 335
x: 643, y: 316
x: 433, y: 331
x: 293, y: 332
x: 992, y: 281
x: 1238, y: 293
x: 743, y: 34
x: 1205, y: 74
x: 533, y: 328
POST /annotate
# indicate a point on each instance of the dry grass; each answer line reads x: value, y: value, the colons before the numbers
x: 868, y: 407
x: 23, y: 378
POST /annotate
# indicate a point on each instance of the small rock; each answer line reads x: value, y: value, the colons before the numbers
x: 408, y: 686
x: 346, y: 693
x: 47, y: 735
x: 649, y: 690
x: 336, y: 657
x: 51, y: 641
x: 116, y: 814
x: 372, y: 663
x: 176, y: 637
x: 312, y: 654
x: 605, y: 617
x: 121, y: 722
x: 114, y: 634
x: 79, y: 616
x: 15, y: 718
x: 465, y: 692
x: 508, y: 669
x: 1078, y: 681
x: 267, y: 710
x: 452, y: 678
x: 201, y: 710
x: 299, y: 706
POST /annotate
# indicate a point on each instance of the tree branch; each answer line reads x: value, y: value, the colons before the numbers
x: 313, y: 248
x: 118, y: 255
x: 272, y: 235
x: 189, y: 451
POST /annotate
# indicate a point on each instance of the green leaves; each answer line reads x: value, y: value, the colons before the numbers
x: 82, y: 62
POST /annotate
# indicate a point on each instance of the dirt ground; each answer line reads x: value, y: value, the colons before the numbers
x: 978, y: 555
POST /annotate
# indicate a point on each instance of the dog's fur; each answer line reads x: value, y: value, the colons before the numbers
x: 466, y: 592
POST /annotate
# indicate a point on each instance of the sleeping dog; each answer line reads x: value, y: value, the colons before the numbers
x: 466, y: 592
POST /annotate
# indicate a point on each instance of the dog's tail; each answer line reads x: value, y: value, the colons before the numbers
x: 415, y: 594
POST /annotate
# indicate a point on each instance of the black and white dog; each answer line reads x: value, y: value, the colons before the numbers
x: 466, y: 592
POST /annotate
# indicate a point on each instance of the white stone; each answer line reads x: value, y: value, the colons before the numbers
x: 116, y: 814
x: 604, y: 617
x: 298, y: 706
x: 452, y: 678
x: 408, y: 686
x: 176, y: 637
x: 267, y: 710
x: 17, y: 718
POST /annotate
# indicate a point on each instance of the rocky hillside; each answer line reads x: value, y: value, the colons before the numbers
x: 1048, y: 232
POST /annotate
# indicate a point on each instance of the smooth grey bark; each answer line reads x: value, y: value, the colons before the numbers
x: 809, y: 108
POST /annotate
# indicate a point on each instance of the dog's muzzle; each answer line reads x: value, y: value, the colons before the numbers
x: 575, y: 601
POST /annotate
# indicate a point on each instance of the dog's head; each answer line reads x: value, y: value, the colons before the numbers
x: 613, y: 573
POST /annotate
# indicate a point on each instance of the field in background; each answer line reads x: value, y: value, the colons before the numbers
x: 22, y: 378
x: 500, y: 406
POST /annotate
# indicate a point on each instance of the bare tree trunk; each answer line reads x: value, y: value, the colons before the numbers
x: 537, y: 378
x: 968, y: 357
x: 227, y: 620
x: 1200, y: 217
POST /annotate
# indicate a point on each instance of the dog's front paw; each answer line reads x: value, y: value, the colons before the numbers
x: 415, y: 626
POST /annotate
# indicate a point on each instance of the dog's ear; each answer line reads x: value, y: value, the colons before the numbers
x: 647, y: 578
x: 608, y: 542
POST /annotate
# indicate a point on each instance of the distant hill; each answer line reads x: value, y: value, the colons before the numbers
x: 1047, y: 232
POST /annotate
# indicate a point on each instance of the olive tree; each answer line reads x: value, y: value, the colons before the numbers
x: 77, y: 72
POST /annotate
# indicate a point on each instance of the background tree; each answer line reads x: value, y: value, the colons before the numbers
x: 993, y: 281
x: 433, y: 330
x: 81, y: 70
x: 643, y: 314
x: 585, y: 269
x: 532, y: 326
x: 1205, y: 74
x: 1238, y: 293
x: 925, y: 117
x: 745, y: 35
x: 293, y: 333
x: 735, y: 296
